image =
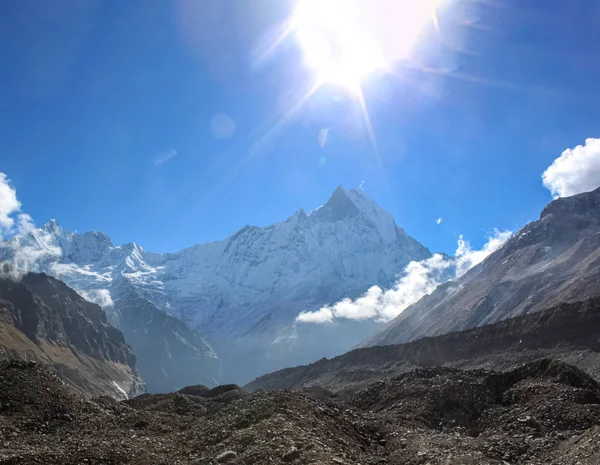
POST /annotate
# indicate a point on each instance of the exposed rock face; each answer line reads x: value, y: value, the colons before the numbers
x: 171, y: 355
x: 569, y: 332
x: 43, y: 320
x: 555, y: 259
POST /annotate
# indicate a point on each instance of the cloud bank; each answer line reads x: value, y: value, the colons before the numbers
x: 12, y: 220
x: 28, y: 259
x: 98, y: 296
x: 576, y: 170
x: 466, y: 258
x: 418, y: 279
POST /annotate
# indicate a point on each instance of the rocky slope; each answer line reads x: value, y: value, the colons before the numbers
x: 569, y: 332
x: 542, y: 413
x: 43, y: 320
x: 171, y: 355
x: 555, y: 259
x: 243, y: 293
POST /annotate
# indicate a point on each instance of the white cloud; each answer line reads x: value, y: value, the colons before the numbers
x: 99, y: 296
x: 27, y: 258
x: 419, y: 279
x: 363, y: 308
x: 9, y: 204
x: 466, y: 258
x: 71, y: 272
x: 576, y: 170
x: 361, y: 186
x: 165, y: 157
x: 12, y: 220
x: 439, y: 220
x: 324, y: 315
x: 25, y: 223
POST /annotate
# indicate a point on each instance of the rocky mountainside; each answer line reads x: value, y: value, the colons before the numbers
x: 555, y: 259
x: 43, y: 320
x: 243, y: 293
x: 568, y: 332
x: 545, y: 412
x: 171, y: 355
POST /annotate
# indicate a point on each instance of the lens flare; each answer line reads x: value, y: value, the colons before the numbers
x: 344, y: 40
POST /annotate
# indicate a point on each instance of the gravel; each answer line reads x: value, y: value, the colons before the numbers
x: 545, y: 412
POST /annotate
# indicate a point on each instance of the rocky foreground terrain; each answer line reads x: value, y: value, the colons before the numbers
x: 545, y: 412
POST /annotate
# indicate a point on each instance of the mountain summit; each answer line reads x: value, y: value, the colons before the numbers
x: 242, y: 293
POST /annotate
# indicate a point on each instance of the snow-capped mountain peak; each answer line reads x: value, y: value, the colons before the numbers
x: 51, y: 226
x: 354, y: 203
x: 338, y: 207
x: 250, y: 285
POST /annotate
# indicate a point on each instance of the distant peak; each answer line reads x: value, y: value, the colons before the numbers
x: 300, y: 214
x: 341, y: 193
x: 132, y: 246
x: 52, y: 226
x: 99, y: 235
x: 354, y: 203
x: 339, y: 190
x: 337, y: 207
x: 359, y: 192
x: 355, y: 195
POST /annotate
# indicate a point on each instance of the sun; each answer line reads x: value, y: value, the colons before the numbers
x: 333, y: 41
x: 345, y: 40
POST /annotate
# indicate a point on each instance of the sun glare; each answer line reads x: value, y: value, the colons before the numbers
x: 344, y: 40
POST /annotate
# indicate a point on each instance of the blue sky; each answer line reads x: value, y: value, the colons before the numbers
x: 107, y: 110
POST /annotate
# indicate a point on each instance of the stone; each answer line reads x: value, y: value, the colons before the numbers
x: 291, y: 454
x: 226, y: 456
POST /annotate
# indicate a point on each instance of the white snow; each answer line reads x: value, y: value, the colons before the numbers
x: 224, y: 288
x: 120, y: 389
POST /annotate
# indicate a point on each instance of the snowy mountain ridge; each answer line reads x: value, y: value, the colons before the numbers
x: 248, y: 286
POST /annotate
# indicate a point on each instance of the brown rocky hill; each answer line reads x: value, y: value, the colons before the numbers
x: 43, y: 320
x: 553, y: 260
